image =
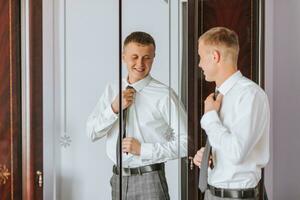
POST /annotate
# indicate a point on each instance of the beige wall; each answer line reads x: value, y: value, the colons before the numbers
x: 286, y: 97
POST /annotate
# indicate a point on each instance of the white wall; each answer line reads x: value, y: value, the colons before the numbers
x: 269, y: 87
x: 282, y: 86
x: 286, y: 97
x: 74, y: 167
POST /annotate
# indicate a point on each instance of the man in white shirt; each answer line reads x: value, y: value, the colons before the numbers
x: 156, y: 124
x: 236, y: 121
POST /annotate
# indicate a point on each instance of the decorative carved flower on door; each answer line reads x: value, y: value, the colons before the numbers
x: 3, y: 174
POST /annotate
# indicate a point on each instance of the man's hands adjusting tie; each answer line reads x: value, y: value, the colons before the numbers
x: 129, y: 144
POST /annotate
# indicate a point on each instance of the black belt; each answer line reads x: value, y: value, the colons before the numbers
x: 138, y: 170
x: 234, y: 193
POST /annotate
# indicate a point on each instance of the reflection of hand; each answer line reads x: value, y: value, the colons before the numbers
x: 211, y: 104
x: 131, y: 145
x: 127, y: 100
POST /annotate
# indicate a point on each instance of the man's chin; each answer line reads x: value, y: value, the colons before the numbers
x: 138, y: 77
x: 208, y: 79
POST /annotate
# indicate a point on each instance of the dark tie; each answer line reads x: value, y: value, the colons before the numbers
x: 125, y: 112
x: 205, y: 161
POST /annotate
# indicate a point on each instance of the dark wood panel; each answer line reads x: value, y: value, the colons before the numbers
x: 240, y: 16
x: 10, y: 101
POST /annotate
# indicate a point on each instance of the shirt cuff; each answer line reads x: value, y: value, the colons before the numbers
x: 208, y: 118
x: 146, y: 151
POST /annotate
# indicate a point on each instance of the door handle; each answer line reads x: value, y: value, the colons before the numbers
x: 40, y: 178
x: 191, y: 162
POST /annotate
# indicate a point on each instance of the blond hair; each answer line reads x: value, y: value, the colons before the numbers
x: 224, y: 38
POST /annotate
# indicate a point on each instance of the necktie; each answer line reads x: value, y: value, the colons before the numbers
x: 205, y: 161
x: 125, y: 113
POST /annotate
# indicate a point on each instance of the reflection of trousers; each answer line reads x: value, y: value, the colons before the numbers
x: 148, y: 186
x: 209, y: 196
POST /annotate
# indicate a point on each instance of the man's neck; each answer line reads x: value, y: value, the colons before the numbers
x: 132, y: 80
x: 224, y: 75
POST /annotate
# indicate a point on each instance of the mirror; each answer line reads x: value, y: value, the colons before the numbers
x: 161, y: 97
x: 87, y: 69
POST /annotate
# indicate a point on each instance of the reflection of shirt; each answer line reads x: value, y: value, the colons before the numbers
x: 239, y: 135
x: 156, y: 119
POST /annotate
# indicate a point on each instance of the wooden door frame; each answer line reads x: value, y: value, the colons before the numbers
x: 32, y: 98
x: 193, y: 118
x: 10, y: 98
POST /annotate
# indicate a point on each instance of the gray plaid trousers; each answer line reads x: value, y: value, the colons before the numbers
x: 148, y: 186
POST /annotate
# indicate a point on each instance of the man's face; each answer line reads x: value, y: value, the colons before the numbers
x: 207, y: 62
x: 139, y: 59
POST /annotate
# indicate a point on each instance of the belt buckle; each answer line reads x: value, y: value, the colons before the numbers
x: 126, y: 172
x: 222, y: 193
x: 139, y: 171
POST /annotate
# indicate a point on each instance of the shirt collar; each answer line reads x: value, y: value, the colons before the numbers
x: 139, y: 85
x: 229, y: 83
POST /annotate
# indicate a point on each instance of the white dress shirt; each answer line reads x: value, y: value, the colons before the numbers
x: 239, y: 134
x: 157, y: 119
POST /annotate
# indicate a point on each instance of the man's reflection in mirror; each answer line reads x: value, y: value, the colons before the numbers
x: 155, y: 124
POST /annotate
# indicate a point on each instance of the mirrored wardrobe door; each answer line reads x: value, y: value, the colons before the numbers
x: 85, y: 86
x: 156, y: 118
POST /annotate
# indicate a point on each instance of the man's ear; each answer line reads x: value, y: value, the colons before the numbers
x: 216, y: 56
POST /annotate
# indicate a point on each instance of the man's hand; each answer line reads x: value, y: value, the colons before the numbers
x: 127, y: 100
x: 131, y: 145
x: 211, y: 104
x: 198, y: 158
